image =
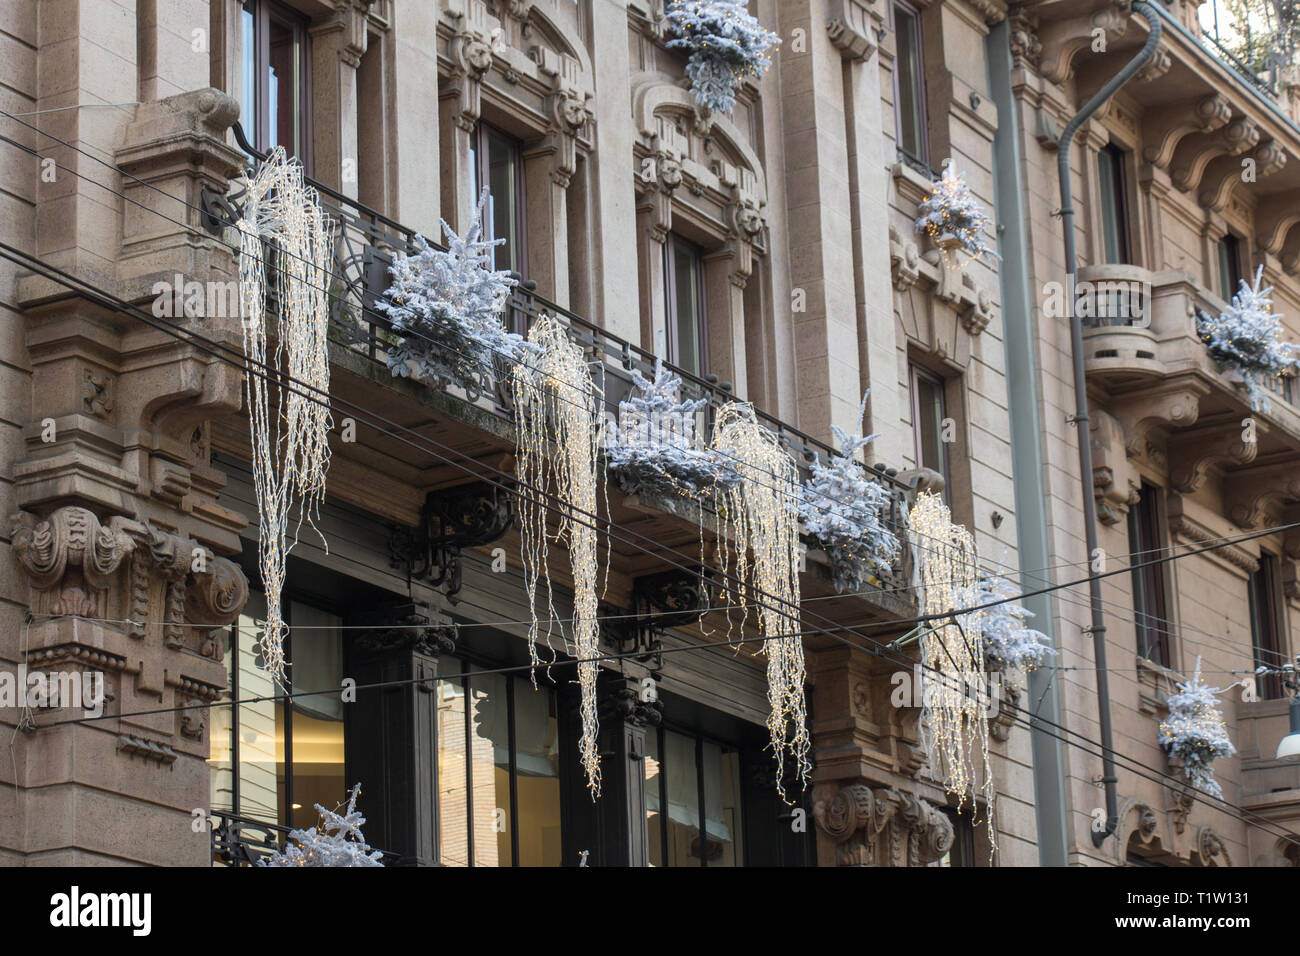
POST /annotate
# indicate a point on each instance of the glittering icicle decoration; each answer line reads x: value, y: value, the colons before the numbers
x: 955, y: 701
x: 336, y: 841
x: 287, y: 240
x: 1245, y: 337
x: 758, y: 545
x: 1195, y: 734
x: 557, y: 420
x: 953, y: 210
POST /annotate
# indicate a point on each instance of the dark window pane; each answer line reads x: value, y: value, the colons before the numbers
x: 502, y: 182
x: 283, y: 79
x: 683, y: 810
x: 930, y: 414
x: 909, y: 110
x: 1264, y: 623
x: 453, y: 792
x: 1229, y: 267
x: 537, y: 776
x: 684, y: 307
x: 1114, y: 212
x: 317, y: 665
x: 490, y: 770
x: 654, y: 784
x: 1149, y: 598
x: 248, y: 103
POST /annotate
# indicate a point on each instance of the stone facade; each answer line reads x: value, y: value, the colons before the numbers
x: 817, y: 287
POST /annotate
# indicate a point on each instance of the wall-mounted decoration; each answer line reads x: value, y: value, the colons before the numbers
x: 1245, y: 338
x: 725, y: 45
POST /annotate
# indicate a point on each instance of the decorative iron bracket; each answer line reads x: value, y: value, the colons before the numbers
x: 467, y: 516
x: 661, y: 601
x: 411, y: 627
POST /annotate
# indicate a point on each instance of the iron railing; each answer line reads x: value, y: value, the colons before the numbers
x: 246, y: 841
x: 367, y: 243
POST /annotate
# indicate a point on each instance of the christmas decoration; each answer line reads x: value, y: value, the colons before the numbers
x: 955, y: 706
x: 1194, y: 732
x: 654, y: 444
x: 450, y: 304
x: 1007, y: 640
x: 952, y: 210
x: 1245, y: 338
x: 843, y: 511
x: 557, y: 409
x: 336, y: 841
x: 285, y: 237
x: 758, y: 544
x: 725, y: 44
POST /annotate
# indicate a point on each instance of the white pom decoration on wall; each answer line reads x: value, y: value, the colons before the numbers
x: 558, y: 435
x: 758, y: 544
x: 1195, y: 734
x: 285, y: 238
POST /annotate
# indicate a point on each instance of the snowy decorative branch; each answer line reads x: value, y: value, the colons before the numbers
x: 336, y: 841
x: 1007, y: 639
x: 725, y: 44
x: 655, y: 445
x: 448, y: 306
x: 1245, y: 338
x: 953, y: 211
x: 843, y: 510
x: 1194, y: 732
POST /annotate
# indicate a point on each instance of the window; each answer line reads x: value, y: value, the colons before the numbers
x: 909, y: 85
x: 270, y: 758
x: 930, y: 422
x: 1229, y: 266
x: 1267, y: 626
x: 276, y: 108
x: 684, y: 275
x: 1114, y: 204
x: 1150, y: 603
x: 962, y: 851
x: 498, y: 164
x: 501, y: 805
x: 692, y: 787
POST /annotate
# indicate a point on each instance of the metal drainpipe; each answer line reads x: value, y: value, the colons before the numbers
x: 1098, y: 628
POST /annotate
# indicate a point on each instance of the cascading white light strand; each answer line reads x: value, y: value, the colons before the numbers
x: 955, y: 701
x: 284, y: 235
x: 558, y: 437
x: 758, y: 543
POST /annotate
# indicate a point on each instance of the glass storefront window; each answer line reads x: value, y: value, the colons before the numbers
x: 692, y: 788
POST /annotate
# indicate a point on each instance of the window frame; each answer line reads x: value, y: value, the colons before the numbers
x: 263, y: 13
x: 918, y: 83
x: 916, y: 373
x: 1229, y: 256
x: 1150, y: 584
x: 1267, y: 615
x: 741, y: 849
x: 479, y: 145
x: 1113, y: 186
x: 672, y: 344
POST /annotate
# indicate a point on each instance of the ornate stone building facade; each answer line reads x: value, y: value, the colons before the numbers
x: 767, y: 254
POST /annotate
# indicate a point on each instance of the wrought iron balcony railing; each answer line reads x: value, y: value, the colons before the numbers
x: 246, y: 841
x: 367, y: 243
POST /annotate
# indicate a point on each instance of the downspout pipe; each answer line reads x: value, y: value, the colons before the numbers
x: 1081, y: 420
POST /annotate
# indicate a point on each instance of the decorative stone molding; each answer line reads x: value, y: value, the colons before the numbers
x: 1210, y: 848
x: 883, y: 827
x: 1274, y: 220
x: 1195, y: 451
x: 1115, y: 479
x: 150, y: 750
x: 1062, y: 39
x: 1139, y: 824
x: 1253, y: 492
x: 71, y: 556
x: 1194, y: 154
x: 1226, y: 172
x: 854, y: 27
x: 1189, y: 530
x: 1026, y: 48
x: 1166, y: 130
x: 1156, y: 67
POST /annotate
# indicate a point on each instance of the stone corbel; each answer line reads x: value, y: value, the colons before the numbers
x: 1194, y: 154
x: 571, y: 111
x: 1062, y: 39
x: 71, y: 557
x: 854, y: 27
x: 1227, y: 171
x: 904, y: 262
x: 1274, y: 220
x: 1026, y: 48
x: 1196, y: 451
x: 1253, y: 492
x: 1156, y: 67
x: 883, y: 827
x: 1210, y: 848
x: 1115, y: 480
x: 1167, y: 129
x: 1138, y: 822
x: 471, y: 49
x: 1176, y: 405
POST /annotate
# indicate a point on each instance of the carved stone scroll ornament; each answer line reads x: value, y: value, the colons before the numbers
x: 883, y: 827
x: 71, y: 554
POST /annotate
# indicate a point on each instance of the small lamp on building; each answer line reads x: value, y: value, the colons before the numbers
x: 1289, y: 746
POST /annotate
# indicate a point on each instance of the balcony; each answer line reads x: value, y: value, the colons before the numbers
x: 247, y: 841
x: 390, y: 477
x: 1162, y: 395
